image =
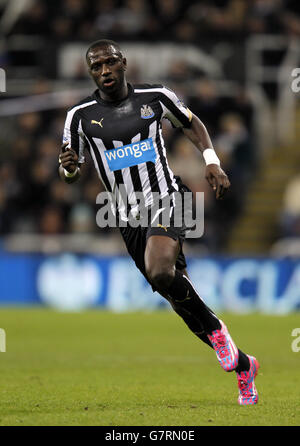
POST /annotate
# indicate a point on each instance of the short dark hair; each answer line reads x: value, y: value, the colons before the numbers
x: 100, y: 43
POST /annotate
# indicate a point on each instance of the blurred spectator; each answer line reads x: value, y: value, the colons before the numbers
x: 131, y: 17
x: 233, y: 145
x: 179, y: 72
x: 33, y: 20
x: 62, y: 196
x: 290, y: 216
x: 217, y: 19
x: 77, y: 10
x: 51, y: 221
x: 185, y: 31
x: 41, y: 86
x: 70, y: 18
x: 291, y: 18
x: 21, y: 154
x: 263, y: 16
x: 205, y: 103
x: 9, y: 191
x: 40, y: 177
x: 168, y: 13
x: 47, y: 150
x: 82, y: 219
x: 61, y: 28
x: 29, y: 124
x: 106, y: 17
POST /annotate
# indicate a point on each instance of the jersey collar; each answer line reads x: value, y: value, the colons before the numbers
x: 97, y: 97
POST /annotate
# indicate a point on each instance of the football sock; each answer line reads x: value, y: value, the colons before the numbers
x: 183, y: 295
x: 244, y: 363
x: 194, y: 325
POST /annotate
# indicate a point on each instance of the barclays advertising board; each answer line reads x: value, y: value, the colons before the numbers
x: 74, y: 282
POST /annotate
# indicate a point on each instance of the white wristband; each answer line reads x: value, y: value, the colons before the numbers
x: 210, y: 157
x: 70, y: 174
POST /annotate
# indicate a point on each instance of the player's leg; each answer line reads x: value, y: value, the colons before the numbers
x: 160, y: 258
x: 193, y: 323
x: 247, y: 367
x: 243, y: 364
x: 136, y: 241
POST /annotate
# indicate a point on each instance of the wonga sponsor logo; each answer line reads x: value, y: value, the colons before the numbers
x: 130, y: 155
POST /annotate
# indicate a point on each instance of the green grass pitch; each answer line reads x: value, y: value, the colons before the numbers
x: 135, y: 369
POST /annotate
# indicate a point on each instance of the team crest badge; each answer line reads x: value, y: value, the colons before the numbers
x: 146, y: 112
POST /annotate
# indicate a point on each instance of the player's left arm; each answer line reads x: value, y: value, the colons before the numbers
x: 214, y: 174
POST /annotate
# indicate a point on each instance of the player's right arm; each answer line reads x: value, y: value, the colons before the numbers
x: 72, y: 150
x: 69, y: 171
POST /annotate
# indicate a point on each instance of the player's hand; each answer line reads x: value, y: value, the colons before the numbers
x: 217, y: 179
x: 68, y: 158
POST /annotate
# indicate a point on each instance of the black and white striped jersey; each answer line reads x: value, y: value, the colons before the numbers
x: 125, y: 139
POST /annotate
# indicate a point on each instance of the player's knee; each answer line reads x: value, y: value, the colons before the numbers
x: 161, y: 279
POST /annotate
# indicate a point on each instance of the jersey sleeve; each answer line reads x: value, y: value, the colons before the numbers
x: 74, y: 135
x: 174, y: 109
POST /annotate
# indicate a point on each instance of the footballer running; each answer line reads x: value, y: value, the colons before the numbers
x: 117, y: 116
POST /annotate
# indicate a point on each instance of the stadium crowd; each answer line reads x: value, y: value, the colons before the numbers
x: 30, y: 142
x: 175, y: 20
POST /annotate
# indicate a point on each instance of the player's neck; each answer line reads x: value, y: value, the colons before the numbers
x: 119, y: 95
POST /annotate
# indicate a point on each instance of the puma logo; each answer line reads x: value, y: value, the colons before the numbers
x: 187, y: 297
x: 97, y: 122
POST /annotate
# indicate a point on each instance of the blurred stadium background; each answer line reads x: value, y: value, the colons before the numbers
x: 231, y: 61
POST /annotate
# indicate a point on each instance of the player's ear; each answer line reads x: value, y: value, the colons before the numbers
x: 124, y: 61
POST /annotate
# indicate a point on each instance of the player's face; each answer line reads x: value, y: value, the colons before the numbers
x: 107, y: 68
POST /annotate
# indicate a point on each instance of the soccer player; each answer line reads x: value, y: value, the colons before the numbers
x: 117, y: 116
